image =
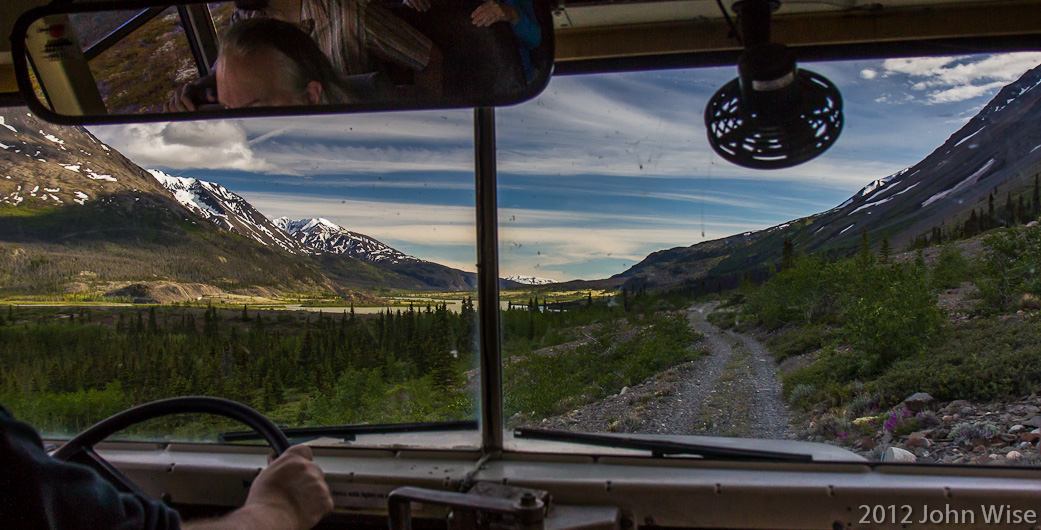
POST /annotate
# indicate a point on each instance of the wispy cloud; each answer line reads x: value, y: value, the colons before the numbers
x: 959, y: 78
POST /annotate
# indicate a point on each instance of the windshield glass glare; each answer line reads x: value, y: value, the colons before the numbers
x: 880, y: 298
x: 319, y: 271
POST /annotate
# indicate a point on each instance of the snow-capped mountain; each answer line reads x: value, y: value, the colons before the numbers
x: 529, y: 280
x: 326, y: 236
x: 227, y: 210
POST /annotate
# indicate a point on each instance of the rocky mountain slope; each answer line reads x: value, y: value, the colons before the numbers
x: 995, y: 156
x: 227, y: 210
x: 78, y: 217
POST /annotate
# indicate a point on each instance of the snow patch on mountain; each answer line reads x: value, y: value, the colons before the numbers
x: 963, y: 140
x: 872, y: 204
x: 961, y: 185
x: 530, y: 280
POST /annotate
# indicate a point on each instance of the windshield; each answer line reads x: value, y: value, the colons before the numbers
x: 881, y: 298
x: 313, y: 271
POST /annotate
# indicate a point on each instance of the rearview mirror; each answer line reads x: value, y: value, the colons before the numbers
x: 122, y: 61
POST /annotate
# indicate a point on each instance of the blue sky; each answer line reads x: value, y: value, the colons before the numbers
x: 594, y: 174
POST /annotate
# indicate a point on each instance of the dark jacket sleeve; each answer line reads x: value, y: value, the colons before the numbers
x: 39, y: 492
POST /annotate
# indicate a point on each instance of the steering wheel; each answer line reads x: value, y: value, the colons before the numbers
x: 80, y: 449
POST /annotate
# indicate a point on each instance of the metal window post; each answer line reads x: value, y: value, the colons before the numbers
x: 488, y: 280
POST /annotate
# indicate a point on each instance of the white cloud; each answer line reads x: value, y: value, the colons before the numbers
x: 183, y: 145
x: 868, y: 73
x: 960, y: 78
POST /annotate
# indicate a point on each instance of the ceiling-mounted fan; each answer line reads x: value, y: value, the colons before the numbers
x: 774, y: 115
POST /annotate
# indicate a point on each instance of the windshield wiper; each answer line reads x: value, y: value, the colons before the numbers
x: 659, y: 448
x: 348, y: 432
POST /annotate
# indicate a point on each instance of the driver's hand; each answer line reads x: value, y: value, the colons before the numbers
x: 294, y: 487
x: 190, y: 96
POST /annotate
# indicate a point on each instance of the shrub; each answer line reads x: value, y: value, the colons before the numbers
x: 1011, y: 265
x: 799, y: 341
x: 965, y: 434
x: 862, y: 405
x: 723, y: 319
x: 895, y: 316
x: 802, y: 396
x: 951, y: 268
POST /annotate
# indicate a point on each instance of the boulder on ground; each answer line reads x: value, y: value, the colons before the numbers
x: 1034, y: 422
x: 919, y: 402
x: 895, y: 454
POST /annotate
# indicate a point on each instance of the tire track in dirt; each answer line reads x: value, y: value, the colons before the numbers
x: 732, y: 392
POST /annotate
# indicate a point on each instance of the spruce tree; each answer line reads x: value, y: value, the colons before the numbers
x: 153, y: 324
x: 972, y: 226
x: 865, y: 256
x: 787, y: 254
x: 884, y: 252
x: 1037, y: 197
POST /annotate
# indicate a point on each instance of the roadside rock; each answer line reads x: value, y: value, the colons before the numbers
x: 919, y: 402
x: 895, y: 454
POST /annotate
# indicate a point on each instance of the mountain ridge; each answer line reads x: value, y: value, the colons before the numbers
x: 997, y: 153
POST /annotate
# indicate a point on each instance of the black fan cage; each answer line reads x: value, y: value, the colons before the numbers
x: 748, y: 140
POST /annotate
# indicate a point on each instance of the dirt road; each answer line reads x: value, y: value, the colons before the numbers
x: 732, y: 391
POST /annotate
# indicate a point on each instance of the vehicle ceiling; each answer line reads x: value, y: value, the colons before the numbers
x: 603, y: 34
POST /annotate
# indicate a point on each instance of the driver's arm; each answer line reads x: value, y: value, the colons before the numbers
x: 37, y: 491
x: 291, y: 494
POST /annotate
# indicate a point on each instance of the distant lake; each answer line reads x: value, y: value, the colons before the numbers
x: 419, y: 304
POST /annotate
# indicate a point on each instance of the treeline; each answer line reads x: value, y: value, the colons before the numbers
x: 65, y: 370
